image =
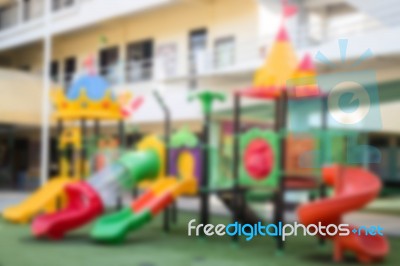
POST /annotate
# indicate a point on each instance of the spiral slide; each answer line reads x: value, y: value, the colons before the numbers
x: 354, y: 188
x: 88, y: 199
x: 43, y: 200
x: 113, y: 228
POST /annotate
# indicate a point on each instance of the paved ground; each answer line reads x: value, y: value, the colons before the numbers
x: 390, y: 223
x: 9, y: 198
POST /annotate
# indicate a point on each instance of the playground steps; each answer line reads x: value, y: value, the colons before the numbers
x: 247, y: 215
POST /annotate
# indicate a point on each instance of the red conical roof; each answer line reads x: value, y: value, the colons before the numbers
x: 306, y: 63
x: 282, y: 35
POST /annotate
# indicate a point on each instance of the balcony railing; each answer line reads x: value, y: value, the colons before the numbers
x: 9, y: 17
x: 245, y: 55
x: 241, y: 54
x: 33, y: 10
x: 25, y: 11
x: 319, y: 28
x: 58, y: 5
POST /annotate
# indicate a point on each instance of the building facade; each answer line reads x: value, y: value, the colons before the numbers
x: 176, y: 46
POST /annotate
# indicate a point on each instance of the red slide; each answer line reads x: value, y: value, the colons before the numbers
x: 84, y: 204
x: 354, y: 188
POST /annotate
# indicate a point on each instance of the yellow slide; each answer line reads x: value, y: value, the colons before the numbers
x: 43, y: 200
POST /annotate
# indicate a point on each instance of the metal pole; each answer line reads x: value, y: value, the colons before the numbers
x: 204, y: 196
x: 366, y: 154
x: 167, y: 133
x: 280, y: 124
x: 83, y: 149
x: 121, y: 135
x: 61, y: 154
x: 45, y: 131
x: 324, y: 125
x: 96, y: 139
x: 236, y: 135
x: 60, y: 128
x: 97, y: 129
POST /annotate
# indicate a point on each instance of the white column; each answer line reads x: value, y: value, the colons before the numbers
x: 45, y: 134
x: 20, y: 14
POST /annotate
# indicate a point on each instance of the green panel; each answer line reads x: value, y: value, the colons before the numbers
x: 272, y: 139
x: 184, y: 138
x: 139, y: 165
x: 220, y: 158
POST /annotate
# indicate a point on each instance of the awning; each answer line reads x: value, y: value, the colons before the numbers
x: 20, y: 98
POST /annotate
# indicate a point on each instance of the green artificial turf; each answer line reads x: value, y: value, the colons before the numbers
x: 385, y: 205
x: 152, y: 247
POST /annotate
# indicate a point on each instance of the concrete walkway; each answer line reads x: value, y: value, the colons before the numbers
x: 390, y: 223
x: 10, y: 198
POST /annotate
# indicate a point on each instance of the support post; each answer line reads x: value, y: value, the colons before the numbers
x: 324, y: 125
x: 206, y: 99
x: 236, y: 158
x: 45, y: 130
x: 83, y: 149
x: 204, y: 195
x: 167, y: 133
x: 280, y: 126
x: 122, y: 142
x: 97, y: 129
x: 60, y: 155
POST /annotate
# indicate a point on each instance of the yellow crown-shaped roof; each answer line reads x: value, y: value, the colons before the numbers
x: 82, y: 107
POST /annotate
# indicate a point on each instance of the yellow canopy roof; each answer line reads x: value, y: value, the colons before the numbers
x: 279, y: 65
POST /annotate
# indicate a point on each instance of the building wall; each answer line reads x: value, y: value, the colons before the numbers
x: 170, y: 24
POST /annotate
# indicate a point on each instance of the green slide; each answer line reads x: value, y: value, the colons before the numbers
x: 114, y: 227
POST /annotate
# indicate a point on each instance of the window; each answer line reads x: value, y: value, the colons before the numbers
x: 140, y: 61
x: 27, y: 9
x: 61, y: 4
x: 32, y: 9
x: 108, y: 63
x: 167, y: 59
x: 8, y: 16
x: 224, y: 52
x: 69, y: 71
x: 197, y: 48
x: 54, y: 71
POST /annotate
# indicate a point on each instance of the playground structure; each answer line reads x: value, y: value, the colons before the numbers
x: 354, y: 187
x: 105, y: 151
x: 77, y: 106
x: 179, y: 165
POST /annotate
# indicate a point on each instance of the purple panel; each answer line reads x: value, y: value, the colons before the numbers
x: 196, y: 153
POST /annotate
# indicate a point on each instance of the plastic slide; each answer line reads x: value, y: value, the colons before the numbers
x: 114, y: 228
x: 354, y: 188
x: 88, y: 199
x: 43, y: 200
